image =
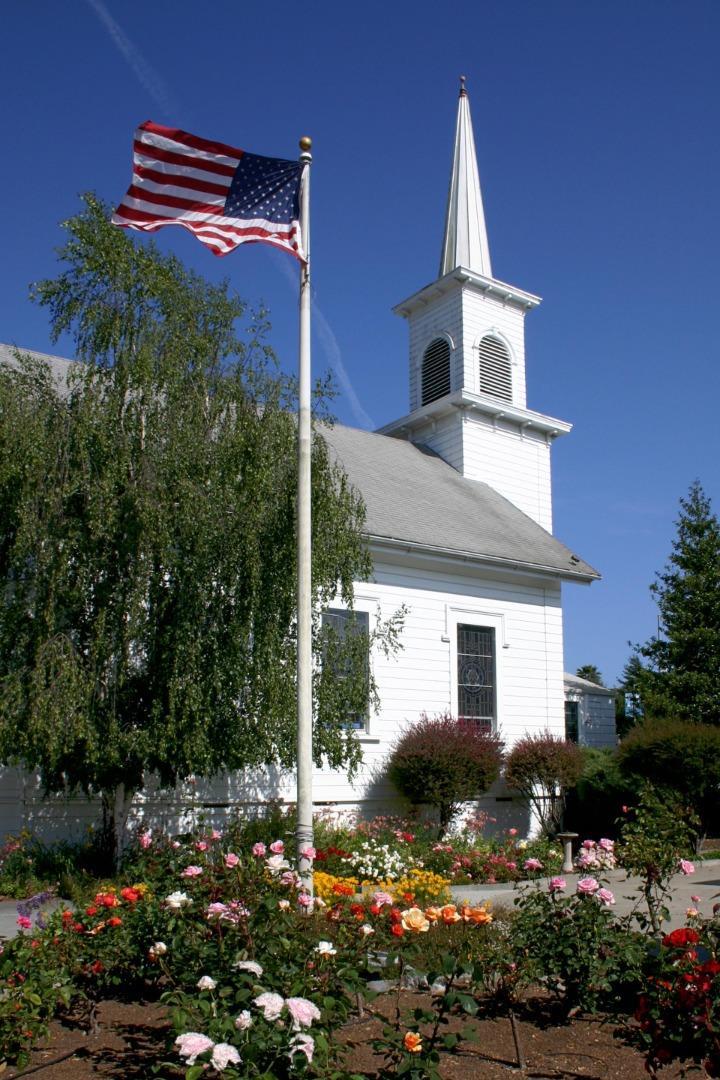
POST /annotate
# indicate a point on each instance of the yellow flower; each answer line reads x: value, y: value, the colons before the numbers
x: 414, y: 919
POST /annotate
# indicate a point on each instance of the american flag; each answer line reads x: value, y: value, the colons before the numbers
x: 223, y: 195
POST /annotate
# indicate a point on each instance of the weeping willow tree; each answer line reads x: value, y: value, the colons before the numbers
x: 147, y: 541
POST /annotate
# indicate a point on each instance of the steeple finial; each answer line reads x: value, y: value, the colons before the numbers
x: 465, y: 243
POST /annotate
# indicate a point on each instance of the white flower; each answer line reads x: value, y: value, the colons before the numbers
x: 223, y: 1055
x: 325, y: 948
x: 271, y: 1004
x: 276, y: 863
x: 249, y: 965
x: 521, y: 845
x: 283, y: 904
x: 206, y: 983
x: 177, y: 900
x: 366, y: 929
x: 158, y: 949
x: 244, y: 1020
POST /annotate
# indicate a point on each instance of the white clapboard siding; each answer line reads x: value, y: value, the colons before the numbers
x: 527, y: 618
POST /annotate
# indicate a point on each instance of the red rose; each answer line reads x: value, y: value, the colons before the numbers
x: 680, y: 939
x: 397, y: 930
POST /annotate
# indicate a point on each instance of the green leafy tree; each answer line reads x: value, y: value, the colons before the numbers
x: 683, y: 676
x: 147, y: 551
x: 591, y: 673
x: 628, y: 698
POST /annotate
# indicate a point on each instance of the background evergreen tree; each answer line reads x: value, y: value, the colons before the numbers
x: 147, y: 542
x: 683, y: 670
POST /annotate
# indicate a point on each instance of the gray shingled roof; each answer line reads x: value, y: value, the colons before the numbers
x: 413, y: 497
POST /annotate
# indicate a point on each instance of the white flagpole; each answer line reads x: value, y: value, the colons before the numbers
x: 304, y: 537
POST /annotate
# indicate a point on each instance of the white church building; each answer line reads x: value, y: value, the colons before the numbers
x: 459, y: 521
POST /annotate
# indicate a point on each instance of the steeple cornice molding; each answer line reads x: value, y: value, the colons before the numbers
x: 482, y: 405
x: 461, y: 277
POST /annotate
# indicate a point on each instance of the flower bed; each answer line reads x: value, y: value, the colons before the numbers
x: 259, y: 977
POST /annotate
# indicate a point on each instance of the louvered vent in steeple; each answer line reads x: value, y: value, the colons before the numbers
x: 495, y: 369
x: 435, y: 371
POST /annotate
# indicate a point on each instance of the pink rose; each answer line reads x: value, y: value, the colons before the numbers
x: 191, y: 871
x: 512, y: 832
x: 686, y: 867
x: 191, y: 1044
x: 258, y: 850
x: 308, y: 852
x: 606, y: 897
x: 231, y: 860
x: 271, y: 1004
x: 302, y: 1011
x: 606, y: 845
x: 201, y: 845
x: 588, y: 844
x: 557, y: 884
x: 587, y: 886
x: 532, y: 864
x: 382, y: 898
x: 23, y: 922
x: 277, y: 847
x: 302, y: 1043
x: 223, y: 1055
x: 305, y: 900
x: 215, y: 835
x: 145, y: 839
x: 695, y: 899
x: 511, y: 865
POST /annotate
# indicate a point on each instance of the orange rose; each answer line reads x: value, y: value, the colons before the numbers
x: 115, y: 921
x: 414, y: 919
x: 434, y: 914
x: 412, y: 1042
x: 450, y: 914
x: 479, y: 916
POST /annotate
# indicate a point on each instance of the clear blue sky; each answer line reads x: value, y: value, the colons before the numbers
x: 597, y: 134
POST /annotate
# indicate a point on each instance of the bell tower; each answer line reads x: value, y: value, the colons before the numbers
x: 468, y: 397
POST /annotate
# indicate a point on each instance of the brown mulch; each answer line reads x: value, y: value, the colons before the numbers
x: 133, y: 1038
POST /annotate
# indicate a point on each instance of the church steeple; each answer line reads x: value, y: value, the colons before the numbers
x: 465, y: 242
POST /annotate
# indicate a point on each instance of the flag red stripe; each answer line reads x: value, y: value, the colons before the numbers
x: 232, y: 230
x: 182, y: 159
x: 144, y: 195
x: 180, y: 180
x: 194, y: 142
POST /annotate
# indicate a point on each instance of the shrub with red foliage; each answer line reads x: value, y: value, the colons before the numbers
x: 443, y: 762
x: 543, y: 768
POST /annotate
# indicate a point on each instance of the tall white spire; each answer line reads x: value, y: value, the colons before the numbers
x: 465, y: 242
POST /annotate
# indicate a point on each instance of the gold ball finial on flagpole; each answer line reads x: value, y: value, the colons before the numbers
x: 306, y: 144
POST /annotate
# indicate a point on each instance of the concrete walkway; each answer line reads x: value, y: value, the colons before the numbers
x: 705, y: 883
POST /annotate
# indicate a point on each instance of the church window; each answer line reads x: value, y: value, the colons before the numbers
x: 435, y: 371
x: 572, y: 721
x: 495, y: 369
x: 341, y: 626
x: 476, y: 675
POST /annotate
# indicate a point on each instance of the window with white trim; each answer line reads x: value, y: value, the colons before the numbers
x: 495, y: 368
x: 435, y: 371
x: 476, y: 680
x: 352, y: 627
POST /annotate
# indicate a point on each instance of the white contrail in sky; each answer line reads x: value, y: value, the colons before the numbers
x: 330, y: 347
x: 146, y: 75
